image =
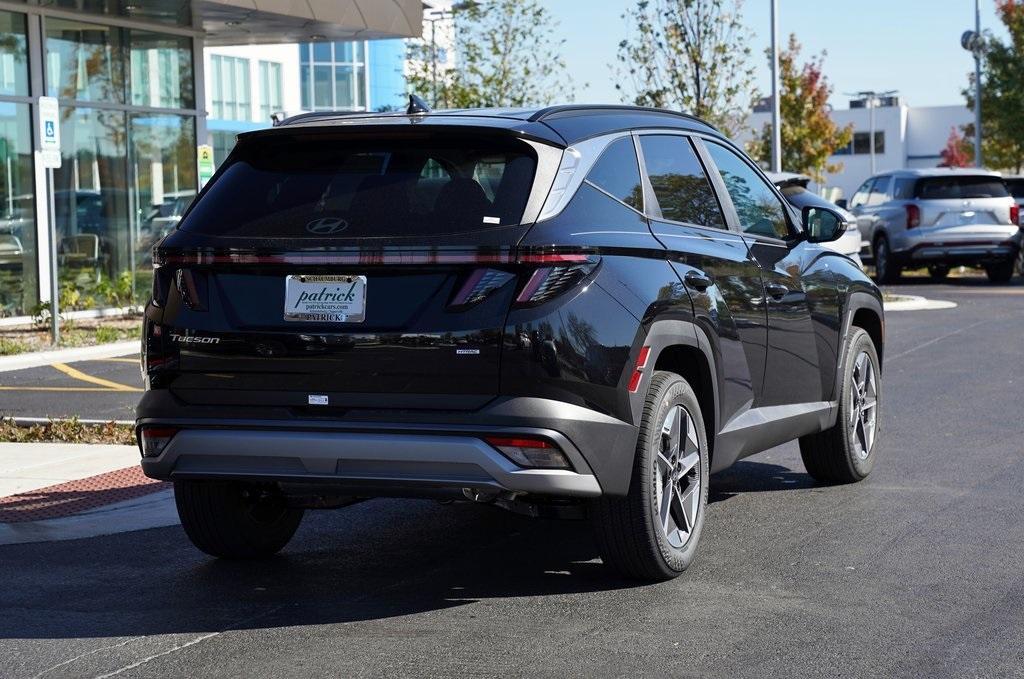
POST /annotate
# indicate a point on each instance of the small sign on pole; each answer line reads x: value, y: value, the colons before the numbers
x: 206, y: 167
x: 49, y: 132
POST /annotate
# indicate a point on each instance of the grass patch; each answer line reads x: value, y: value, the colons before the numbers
x: 10, y: 347
x: 67, y: 431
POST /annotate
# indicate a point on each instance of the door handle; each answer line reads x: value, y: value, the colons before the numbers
x: 776, y: 290
x: 698, y: 280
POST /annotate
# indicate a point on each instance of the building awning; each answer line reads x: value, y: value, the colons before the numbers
x: 241, y: 22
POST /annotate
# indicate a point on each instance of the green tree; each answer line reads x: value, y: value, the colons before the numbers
x: 1002, y: 92
x: 506, y: 54
x: 809, y: 135
x: 688, y: 55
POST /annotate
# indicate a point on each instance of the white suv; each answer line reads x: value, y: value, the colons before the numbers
x: 939, y: 218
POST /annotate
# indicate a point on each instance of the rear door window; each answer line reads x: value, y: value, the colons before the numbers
x: 961, y: 187
x: 903, y: 188
x: 1016, y: 187
x: 295, y: 187
x: 683, y: 191
x: 617, y: 173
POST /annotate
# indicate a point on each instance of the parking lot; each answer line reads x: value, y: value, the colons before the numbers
x: 96, y: 389
x: 916, y: 571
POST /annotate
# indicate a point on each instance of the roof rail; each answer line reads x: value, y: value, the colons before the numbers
x: 543, y: 113
x: 312, y: 115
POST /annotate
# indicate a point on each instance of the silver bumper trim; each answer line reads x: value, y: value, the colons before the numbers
x: 364, y: 459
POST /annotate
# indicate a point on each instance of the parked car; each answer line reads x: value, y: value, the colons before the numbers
x: 1015, y: 185
x: 794, y: 188
x: 608, y: 303
x: 939, y: 218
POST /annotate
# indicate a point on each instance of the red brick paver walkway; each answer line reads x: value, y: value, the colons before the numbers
x: 74, y: 497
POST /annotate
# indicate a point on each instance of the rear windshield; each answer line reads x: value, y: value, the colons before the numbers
x: 1016, y: 187
x: 939, y: 188
x: 328, y: 188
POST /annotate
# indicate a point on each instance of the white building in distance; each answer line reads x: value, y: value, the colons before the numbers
x: 905, y: 137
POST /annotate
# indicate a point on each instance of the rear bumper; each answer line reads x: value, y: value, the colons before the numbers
x: 422, y: 454
x: 938, y: 245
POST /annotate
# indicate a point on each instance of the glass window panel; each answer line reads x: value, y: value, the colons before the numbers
x: 306, y: 85
x: 343, y: 87
x: 94, y: 243
x: 162, y: 154
x: 322, y: 87
x: 19, y: 271
x: 322, y: 52
x: 617, y: 173
x: 304, y: 53
x: 360, y: 76
x: 174, y: 12
x: 359, y: 51
x: 84, y: 61
x: 13, y: 55
x: 759, y: 209
x: 680, y: 185
x: 161, y: 70
x: 343, y: 51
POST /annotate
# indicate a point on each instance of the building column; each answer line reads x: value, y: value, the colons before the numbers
x: 199, y: 82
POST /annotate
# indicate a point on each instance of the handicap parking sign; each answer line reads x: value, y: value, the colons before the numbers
x: 49, y: 132
x: 51, y: 129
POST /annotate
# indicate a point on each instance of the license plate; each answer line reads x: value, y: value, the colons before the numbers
x: 325, y: 299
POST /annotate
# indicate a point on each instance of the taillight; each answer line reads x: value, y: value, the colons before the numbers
x: 557, y: 273
x: 478, y: 285
x: 161, y: 284
x: 529, y: 451
x: 153, y: 440
x: 913, y: 216
x: 193, y: 288
x: 1015, y: 214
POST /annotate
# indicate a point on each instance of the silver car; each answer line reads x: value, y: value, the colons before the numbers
x: 939, y: 218
x: 794, y: 187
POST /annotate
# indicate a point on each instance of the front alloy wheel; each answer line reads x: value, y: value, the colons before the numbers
x: 864, y: 400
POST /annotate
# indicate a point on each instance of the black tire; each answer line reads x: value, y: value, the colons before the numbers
x: 833, y: 456
x: 628, y: 529
x: 1001, y: 272
x: 235, y: 520
x: 887, y: 269
x: 938, y: 272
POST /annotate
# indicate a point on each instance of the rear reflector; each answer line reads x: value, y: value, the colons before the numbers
x: 153, y: 440
x: 638, y: 369
x: 529, y: 452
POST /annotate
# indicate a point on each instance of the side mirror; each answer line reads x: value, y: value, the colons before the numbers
x: 822, y: 224
x: 841, y: 203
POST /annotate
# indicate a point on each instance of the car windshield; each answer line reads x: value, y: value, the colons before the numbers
x: 316, y: 188
x: 960, y: 186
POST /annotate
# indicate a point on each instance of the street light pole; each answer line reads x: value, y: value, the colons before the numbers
x: 871, y: 134
x: 977, y: 88
x: 776, y: 129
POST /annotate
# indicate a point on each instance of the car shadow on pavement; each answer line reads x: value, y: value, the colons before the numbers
x: 376, y: 560
x: 756, y: 477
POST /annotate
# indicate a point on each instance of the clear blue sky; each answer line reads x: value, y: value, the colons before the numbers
x: 908, y: 45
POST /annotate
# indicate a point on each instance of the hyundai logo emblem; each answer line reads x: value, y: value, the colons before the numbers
x: 325, y: 226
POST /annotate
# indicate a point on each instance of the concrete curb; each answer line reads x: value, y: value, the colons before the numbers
x: 37, y: 359
x: 917, y: 303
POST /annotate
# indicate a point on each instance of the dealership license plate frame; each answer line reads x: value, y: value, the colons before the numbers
x: 325, y: 310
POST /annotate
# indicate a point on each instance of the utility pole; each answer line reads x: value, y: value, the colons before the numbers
x: 974, y: 42
x: 776, y: 128
x: 977, y: 86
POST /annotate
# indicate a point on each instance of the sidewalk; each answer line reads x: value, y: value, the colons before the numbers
x: 64, y: 491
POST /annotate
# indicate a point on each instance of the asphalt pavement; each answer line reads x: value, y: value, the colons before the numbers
x: 99, y: 389
x: 914, y: 572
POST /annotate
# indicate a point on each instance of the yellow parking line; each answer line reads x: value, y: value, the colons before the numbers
x: 63, y: 389
x: 79, y: 375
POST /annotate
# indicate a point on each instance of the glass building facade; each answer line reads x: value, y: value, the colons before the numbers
x: 128, y: 128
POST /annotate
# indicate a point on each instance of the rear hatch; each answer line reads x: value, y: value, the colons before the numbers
x: 965, y: 207
x: 321, y: 271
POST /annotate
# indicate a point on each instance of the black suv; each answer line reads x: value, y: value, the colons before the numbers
x: 568, y: 311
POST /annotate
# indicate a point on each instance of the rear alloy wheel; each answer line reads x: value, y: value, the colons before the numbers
x: 1001, y: 272
x: 235, y: 520
x: 845, y: 452
x: 886, y: 269
x: 938, y: 271
x: 652, y: 532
